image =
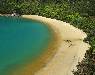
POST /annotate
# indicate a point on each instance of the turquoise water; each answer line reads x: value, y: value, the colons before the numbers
x: 21, y: 39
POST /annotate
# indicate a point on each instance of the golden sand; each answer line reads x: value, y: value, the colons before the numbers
x: 64, y: 52
x: 70, y: 48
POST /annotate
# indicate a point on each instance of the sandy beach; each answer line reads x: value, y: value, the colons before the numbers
x: 69, y: 50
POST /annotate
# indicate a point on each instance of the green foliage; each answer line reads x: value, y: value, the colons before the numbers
x: 85, y: 7
x: 74, y: 18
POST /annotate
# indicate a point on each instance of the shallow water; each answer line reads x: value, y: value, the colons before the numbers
x: 20, y: 40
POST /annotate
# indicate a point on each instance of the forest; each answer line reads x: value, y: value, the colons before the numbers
x: 79, y: 13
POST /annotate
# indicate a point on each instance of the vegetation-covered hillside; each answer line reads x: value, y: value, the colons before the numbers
x: 80, y: 13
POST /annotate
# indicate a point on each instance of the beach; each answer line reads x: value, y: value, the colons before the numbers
x: 68, y: 49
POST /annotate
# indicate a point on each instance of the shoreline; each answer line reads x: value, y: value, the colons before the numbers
x: 70, y: 48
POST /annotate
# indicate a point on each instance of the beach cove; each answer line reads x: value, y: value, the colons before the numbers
x: 70, y: 50
x: 63, y: 54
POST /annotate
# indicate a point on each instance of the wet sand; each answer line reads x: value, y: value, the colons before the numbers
x: 62, y: 56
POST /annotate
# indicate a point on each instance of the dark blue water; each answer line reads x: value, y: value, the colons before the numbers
x: 21, y: 39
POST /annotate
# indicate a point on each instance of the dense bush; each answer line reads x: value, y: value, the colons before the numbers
x: 85, y: 7
x: 77, y: 12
